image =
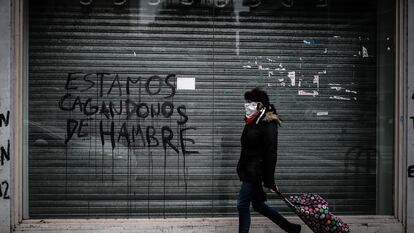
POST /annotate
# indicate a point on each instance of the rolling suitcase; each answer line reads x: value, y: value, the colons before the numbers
x: 314, y: 212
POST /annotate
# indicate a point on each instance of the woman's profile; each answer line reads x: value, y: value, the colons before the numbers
x: 256, y: 166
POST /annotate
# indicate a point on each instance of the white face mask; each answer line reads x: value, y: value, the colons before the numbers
x: 250, y: 108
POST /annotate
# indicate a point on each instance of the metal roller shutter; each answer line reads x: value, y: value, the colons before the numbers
x: 97, y: 66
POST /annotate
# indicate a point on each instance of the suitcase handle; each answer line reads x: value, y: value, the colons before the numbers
x: 284, y: 198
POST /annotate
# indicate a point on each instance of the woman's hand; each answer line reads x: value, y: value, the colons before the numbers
x: 273, y: 189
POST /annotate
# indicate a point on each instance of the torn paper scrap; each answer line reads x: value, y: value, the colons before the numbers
x: 339, y: 98
x: 270, y: 73
x: 349, y: 91
x: 305, y: 93
x: 322, y: 113
x: 185, y: 83
x: 316, y: 80
x: 263, y: 68
x: 364, y: 52
x: 309, y: 41
x: 337, y: 88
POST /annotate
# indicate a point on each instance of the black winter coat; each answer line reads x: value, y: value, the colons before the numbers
x: 259, y: 151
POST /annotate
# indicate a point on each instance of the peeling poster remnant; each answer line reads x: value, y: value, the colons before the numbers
x: 336, y: 88
x: 316, y: 80
x: 349, y: 91
x: 260, y: 67
x: 281, y: 82
x: 339, y: 98
x: 270, y: 73
x: 364, y: 52
x: 305, y: 93
x: 292, y: 76
x: 280, y: 68
x: 322, y: 114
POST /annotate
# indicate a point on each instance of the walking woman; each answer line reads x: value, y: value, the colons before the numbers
x: 256, y: 166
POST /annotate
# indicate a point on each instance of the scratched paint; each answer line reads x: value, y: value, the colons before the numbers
x: 312, y: 85
x: 299, y: 82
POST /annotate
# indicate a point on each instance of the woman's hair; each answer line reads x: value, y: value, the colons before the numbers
x: 257, y: 95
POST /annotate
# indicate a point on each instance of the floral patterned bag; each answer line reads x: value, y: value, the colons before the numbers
x: 314, y: 211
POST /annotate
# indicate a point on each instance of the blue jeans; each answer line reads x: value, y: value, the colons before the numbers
x: 253, y: 193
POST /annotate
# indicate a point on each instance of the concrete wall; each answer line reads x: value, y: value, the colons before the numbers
x: 410, y: 131
x: 5, y: 114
